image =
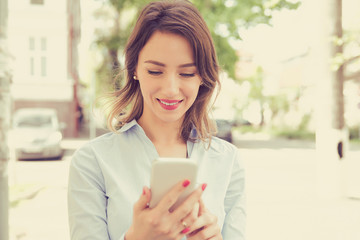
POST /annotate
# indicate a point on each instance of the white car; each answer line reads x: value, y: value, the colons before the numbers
x: 36, y: 133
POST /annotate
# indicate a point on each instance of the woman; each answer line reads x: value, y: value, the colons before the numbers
x: 162, y: 111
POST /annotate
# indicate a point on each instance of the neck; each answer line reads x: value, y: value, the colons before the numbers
x: 165, y: 137
x: 162, y: 132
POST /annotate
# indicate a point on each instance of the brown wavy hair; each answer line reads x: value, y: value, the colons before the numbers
x: 178, y: 17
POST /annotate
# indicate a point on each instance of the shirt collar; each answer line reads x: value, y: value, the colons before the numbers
x: 128, y: 126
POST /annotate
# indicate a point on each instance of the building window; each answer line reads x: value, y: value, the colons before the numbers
x: 43, y: 66
x: 38, y: 56
x: 38, y: 2
x: 31, y: 43
x: 43, y: 44
x: 32, y: 71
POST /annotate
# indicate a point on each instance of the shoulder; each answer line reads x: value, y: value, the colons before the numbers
x: 86, y: 151
x: 219, y: 152
x: 227, y: 152
x: 221, y: 146
x: 108, y: 145
x: 101, y: 146
x: 107, y: 141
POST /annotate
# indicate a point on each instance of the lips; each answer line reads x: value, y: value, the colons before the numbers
x: 168, y: 104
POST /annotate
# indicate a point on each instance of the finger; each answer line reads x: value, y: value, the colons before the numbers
x: 209, y: 232
x: 203, y: 221
x: 193, y: 215
x: 216, y: 237
x: 189, y: 203
x: 185, y: 223
x: 171, y: 197
x: 192, y: 235
x: 198, y: 225
x: 143, y: 201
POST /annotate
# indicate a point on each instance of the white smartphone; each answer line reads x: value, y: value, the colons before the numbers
x: 166, y: 172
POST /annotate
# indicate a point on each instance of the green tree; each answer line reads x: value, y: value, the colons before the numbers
x: 226, y: 17
x: 112, y: 41
x: 350, y: 57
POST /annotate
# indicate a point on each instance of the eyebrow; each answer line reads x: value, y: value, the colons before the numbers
x: 163, y: 65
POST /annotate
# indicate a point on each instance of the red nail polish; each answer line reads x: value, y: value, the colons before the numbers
x: 186, y: 183
x: 144, y: 192
x: 203, y: 186
x: 185, y: 230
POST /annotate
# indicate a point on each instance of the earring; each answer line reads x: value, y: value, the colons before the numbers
x: 134, y: 77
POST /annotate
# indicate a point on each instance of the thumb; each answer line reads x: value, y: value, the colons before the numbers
x: 143, y: 201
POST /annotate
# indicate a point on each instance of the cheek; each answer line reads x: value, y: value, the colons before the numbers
x: 145, y: 87
x: 145, y: 92
x: 192, y: 91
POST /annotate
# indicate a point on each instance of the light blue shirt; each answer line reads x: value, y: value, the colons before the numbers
x: 108, y: 173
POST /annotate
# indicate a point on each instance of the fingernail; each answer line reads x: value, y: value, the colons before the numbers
x: 144, y: 192
x: 203, y: 186
x: 185, y: 230
x: 186, y: 183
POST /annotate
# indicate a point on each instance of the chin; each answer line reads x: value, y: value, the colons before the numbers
x: 170, y: 119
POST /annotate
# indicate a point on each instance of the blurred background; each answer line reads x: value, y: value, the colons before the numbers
x: 290, y: 100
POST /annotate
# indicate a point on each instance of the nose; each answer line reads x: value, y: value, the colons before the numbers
x: 171, y: 86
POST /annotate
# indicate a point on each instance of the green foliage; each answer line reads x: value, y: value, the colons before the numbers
x: 293, y: 134
x: 299, y: 132
x: 104, y: 77
x: 111, y: 42
x: 282, y: 132
x: 22, y: 192
x: 226, y: 17
x: 277, y: 103
x: 256, y: 81
x: 226, y: 55
x: 349, y: 57
x: 248, y: 129
x: 354, y: 132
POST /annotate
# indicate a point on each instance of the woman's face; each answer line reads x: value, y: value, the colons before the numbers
x: 169, y: 80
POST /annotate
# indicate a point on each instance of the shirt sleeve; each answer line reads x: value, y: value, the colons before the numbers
x: 235, y: 219
x: 86, y: 197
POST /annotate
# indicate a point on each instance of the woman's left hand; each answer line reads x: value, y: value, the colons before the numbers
x: 205, y: 227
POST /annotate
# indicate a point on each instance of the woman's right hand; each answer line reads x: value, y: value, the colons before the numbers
x: 158, y: 222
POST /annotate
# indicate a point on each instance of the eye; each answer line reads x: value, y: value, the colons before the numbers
x: 156, y: 73
x: 187, y: 75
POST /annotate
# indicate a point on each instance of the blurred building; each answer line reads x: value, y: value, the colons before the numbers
x: 43, y: 40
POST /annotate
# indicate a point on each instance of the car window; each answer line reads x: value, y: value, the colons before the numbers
x: 34, y: 121
x: 222, y: 125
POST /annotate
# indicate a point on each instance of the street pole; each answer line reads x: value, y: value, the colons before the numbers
x: 4, y: 123
x: 331, y: 136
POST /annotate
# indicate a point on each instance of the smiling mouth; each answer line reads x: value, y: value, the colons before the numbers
x: 169, y: 102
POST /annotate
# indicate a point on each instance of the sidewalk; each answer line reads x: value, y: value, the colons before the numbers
x: 282, y: 198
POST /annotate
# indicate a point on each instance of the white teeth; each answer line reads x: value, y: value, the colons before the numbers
x: 169, y: 104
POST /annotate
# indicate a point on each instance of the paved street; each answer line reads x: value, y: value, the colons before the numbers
x: 282, y: 201
x: 41, y: 210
